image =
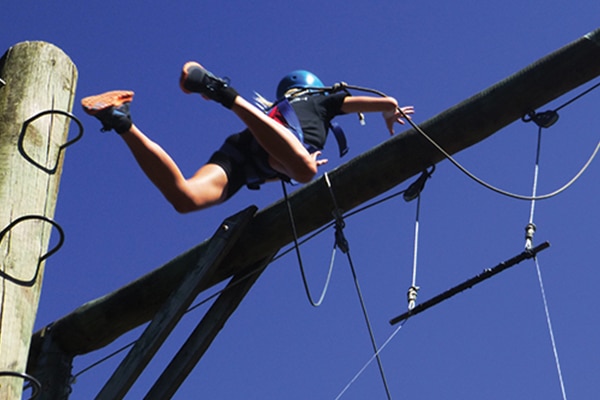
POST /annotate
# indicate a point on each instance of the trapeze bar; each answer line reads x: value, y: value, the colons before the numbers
x: 486, y: 274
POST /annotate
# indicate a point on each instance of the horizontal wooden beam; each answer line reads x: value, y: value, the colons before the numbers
x: 101, y: 321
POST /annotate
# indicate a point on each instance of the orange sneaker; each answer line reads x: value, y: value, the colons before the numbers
x: 111, y: 108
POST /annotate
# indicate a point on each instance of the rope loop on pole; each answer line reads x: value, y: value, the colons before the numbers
x: 61, y: 147
x: 4, y: 232
x: 33, y: 382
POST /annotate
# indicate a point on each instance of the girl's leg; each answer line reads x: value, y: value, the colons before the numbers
x: 286, y: 150
x: 289, y: 156
x: 207, y: 187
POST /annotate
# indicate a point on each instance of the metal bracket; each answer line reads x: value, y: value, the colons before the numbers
x: 544, y: 119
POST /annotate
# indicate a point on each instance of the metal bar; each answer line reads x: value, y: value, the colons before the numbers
x: 171, y: 312
x: 486, y: 274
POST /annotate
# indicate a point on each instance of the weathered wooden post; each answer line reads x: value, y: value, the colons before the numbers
x: 36, y: 95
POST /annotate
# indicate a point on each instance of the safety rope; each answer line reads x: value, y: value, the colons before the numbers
x: 414, y: 192
x: 370, y: 360
x: 530, y: 228
x: 550, y: 330
x: 299, y: 256
x: 414, y: 289
x: 342, y: 242
x: 345, y: 86
x: 548, y: 120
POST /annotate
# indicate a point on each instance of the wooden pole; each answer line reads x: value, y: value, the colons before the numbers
x: 101, y: 321
x: 38, y: 77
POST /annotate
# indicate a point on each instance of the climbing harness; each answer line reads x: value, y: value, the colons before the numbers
x: 293, y: 123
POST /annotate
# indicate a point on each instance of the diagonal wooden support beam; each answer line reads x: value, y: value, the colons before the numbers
x: 201, y: 338
x: 169, y: 315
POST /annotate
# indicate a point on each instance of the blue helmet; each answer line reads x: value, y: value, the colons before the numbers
x: 298, y: 79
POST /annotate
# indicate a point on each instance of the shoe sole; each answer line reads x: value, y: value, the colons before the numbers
x: 92, y: 105
x: 184, y: 76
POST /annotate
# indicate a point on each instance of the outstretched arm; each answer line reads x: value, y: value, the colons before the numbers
x: 387, y: 105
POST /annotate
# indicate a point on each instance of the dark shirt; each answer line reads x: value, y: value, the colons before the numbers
x: 315, y: 113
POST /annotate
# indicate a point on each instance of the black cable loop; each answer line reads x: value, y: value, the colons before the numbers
x: 61, y: 147
x: 470, y: 174
x: 36, y: 386
x: 61, y: 240
x: 299, y: 256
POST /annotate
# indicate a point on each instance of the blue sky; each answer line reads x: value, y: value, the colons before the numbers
x: 491, y: 342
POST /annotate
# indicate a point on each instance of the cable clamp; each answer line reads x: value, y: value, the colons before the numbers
x: 415, y: 188
x: 544, y: 119
x: 338, y: 215
x: 411, y: 296
x: 336, y: 87
x: 529, y: 232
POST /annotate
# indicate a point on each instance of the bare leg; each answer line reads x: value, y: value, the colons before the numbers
x: 287, y: 154
x: 207, y: 187
x: 283, y: 146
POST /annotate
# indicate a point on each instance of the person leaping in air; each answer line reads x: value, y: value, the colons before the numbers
x: 280, y: 144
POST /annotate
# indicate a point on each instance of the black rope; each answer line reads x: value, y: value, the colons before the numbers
x: 544, y: 118
x: 36, y: 386
x: 299, y: 256
x: 61, y: 147
x: 61, y: 240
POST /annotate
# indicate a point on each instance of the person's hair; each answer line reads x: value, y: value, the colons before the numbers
x: 262, y: 102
